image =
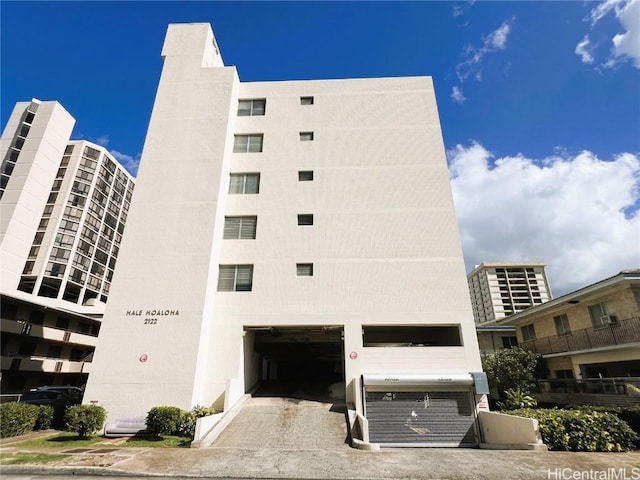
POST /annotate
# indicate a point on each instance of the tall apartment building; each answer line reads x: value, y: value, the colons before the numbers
x: 63, y: 207
x: 292, y: 230
x: 502, y: 289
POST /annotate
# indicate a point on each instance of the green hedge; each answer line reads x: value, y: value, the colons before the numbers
x: 580, y: 430
x: 44, y: 420
x: 175, y: 421
x: 85, y: 420
x: 17, y: 418
x: 164, y: 420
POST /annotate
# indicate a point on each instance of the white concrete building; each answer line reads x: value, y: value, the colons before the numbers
x: 500, y: 289
x: 63, y: 207
x: 293, y: 230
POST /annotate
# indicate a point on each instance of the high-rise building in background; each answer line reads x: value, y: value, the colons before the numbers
x: 297, y: 231
x: 63, y: 208
x: 500, y: 289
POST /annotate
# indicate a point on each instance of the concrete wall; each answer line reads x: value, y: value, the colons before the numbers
x: 168, y: 260
x: 509, y: 430
x: 384, y: 243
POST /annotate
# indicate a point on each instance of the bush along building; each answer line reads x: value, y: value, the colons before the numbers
x: 292, y: 231
x: 63, y: 209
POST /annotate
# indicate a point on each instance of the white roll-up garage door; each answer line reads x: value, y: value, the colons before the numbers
x: 420, y: 413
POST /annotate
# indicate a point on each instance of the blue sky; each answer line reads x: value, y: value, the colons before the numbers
x: 539, y: 101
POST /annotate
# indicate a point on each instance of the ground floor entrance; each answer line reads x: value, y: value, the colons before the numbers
x: 291, y: 359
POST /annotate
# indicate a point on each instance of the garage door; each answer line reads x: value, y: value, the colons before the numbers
x: 431, y: 418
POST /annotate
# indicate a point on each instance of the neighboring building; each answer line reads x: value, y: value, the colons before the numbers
x: 593, y: 332
x: 493, y: 338
x: 502, y: 289
x: 63, y: 207
x: 293, y: 230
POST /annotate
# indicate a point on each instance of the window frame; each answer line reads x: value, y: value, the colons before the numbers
x: 251, y: 111
x: 563, y: 327
x: 305, y: 219
x: 528, y: 332
x: 240, y: 227
x: 307, y: 100
x: 250, y: 146
x: 304, y: 269
x: 229, y: 277
x: 245, y: 177
x: 307, y: 136
x: 305, y: 175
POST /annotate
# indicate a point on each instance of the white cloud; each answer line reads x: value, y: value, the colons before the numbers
x: 493, y: 42
x: 457, y: 95
x: 127, y: 161
x: 103, y: 140
x: 584, y: 50
x: 625, y: 46
x: 457, y: 11
x: 498, y: 38
x: 578, y: 214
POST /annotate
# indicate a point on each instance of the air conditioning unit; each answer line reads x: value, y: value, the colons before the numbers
x: 608, y: 319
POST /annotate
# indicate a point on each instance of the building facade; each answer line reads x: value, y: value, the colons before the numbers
x: 502, y: 289
x: 295, y: 231
x: 591, y: 333
x: 63, y: 207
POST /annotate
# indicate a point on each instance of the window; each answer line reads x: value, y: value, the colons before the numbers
x: 411, y: 336
x: 562, y: 324
x: 509, y: 342
x: 305, y: 219
x: 304, y: 269
x: 528, y: 332
x: 240, y: 228
x: 602, y: 314
x: 306, y: 136
x: 247, y: 143
x: 305, y: 176
x: 244, y: 183
x: 306, y: 100
x: 235, y: 278
x: 251, y: 108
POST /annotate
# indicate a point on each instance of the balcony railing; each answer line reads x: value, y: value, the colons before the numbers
x: 619, y: 333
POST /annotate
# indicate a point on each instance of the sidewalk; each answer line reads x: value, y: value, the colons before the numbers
x: 343, y: 463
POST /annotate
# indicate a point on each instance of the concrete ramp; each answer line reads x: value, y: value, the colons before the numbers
x: 285, y: 424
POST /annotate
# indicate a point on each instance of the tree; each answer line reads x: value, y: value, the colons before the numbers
x: 513, y: 368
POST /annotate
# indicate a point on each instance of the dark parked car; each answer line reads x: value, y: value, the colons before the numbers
x: 53, y: 395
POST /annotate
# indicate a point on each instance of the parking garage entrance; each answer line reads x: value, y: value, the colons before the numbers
x: 302, y: 362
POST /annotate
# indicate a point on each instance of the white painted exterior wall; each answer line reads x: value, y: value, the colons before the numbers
x: 384, y: 243
x: 30, y: 183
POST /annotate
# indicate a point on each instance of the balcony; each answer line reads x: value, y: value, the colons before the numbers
x: 47, y: 333
x: 43, y: 364
x: 619, y: 333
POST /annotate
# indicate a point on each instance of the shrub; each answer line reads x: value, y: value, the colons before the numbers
x: 513, y: 368
x: 17, y: 418
x: 85, y: 420
x: 164, y: 420
x: 517, y: 398
x: 45, y: 417
x: 581, y: 431
x: 187, y: 424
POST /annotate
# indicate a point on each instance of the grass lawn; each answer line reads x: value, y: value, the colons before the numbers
x: 71, y: 440
x: 21, y: 458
